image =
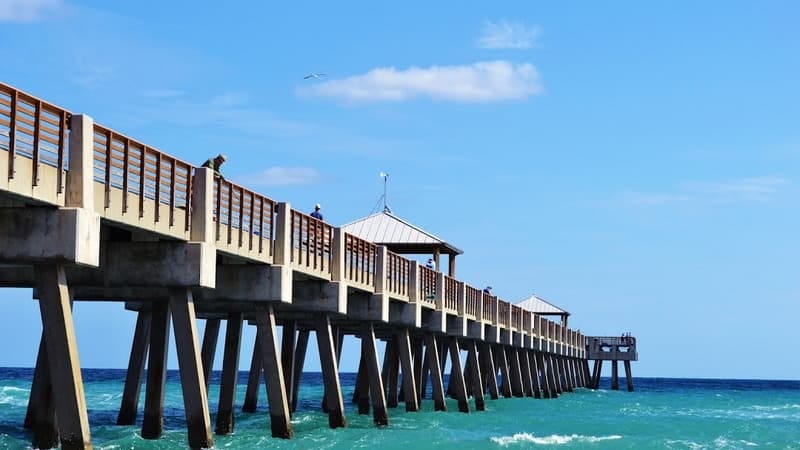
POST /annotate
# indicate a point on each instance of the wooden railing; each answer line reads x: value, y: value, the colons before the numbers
x: 311, y: 243
x: 244, y: 220
x: 502, y: 313
x: 489, y: 307
x: 427, y: 285
x: 473, y: 301
x: 516, y: 317
x: 398, y: 271
x: 34, y: 129
x: 527, y: 326
x: 359, y: 260
x: 450, y: 293
x: 141, y: 173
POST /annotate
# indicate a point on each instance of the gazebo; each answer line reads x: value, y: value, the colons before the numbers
x: 542, y: 307
x: 402, y: 237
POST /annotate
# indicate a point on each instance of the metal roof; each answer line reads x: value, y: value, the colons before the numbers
x: 386, y: 228
x: 541, y: 306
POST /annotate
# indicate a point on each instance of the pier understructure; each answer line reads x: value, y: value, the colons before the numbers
x: 614, y: 349
x: 89, y: 214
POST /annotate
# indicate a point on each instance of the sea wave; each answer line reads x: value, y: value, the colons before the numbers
x: 553, y: 439
x: 11, y: 395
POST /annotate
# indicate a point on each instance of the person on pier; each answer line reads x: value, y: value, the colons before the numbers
x: 431, y: 264
x: 316, y: 213
x: 215, y: 164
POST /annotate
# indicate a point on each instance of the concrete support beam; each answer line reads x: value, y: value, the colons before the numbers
x: 133, y: 377
x: 50, y: 236
x: 159, y: 264
x: 391, y: 364
x: 252, y: 283
x: 193, y: 384
x: 251, y: 394
x: 456, y: 375
x: 432, y: 357
x: 525, y: 368
x: 403, y: 340
x: 280, y: 419
x: 330, y: 372
x: 489, y: 370
x: 288, y: 342
x: 299, y: 361
x: 475, y: 378
x: 370, y: 360
x: 209, y: 348
x: 62, y: 357
x: 41, y: 414
x: 230, y: 374
x: 153, y: 423
x: 628, y: 375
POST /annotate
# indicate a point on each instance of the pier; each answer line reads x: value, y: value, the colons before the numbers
x: 89, y: 214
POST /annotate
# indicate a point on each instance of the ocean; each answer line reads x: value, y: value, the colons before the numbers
x: 661, y: 414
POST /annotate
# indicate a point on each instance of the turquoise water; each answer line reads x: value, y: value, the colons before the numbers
x: 662, y: 413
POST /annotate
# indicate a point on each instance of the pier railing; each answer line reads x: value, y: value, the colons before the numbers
x: 398, y: 275
x: 138, y: 185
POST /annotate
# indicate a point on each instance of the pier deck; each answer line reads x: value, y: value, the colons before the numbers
x: 89, y: 214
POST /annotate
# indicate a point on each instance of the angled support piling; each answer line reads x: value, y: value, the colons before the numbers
x: 133, y: 377
x: 456, y: 375
x: 475, y: 375
x: 299, y: 362
x: 432, y: 357
x: 330, y: 372
x: 628, y: 375
x: 195, y: 399
x: 153, y: 423
x: 489, y: 370
x: 369, y: 354
x: 253, y: 380
x: 209, y: 348
x: 230, y: 374
x: 280, y: 419
x: 409, y: 385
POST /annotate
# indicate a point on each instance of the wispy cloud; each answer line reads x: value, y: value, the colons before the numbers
x: 282, y: 176
x: 508, y: 35
x: 489, y: 81
x: 751, y: 189
x: 28, y: 10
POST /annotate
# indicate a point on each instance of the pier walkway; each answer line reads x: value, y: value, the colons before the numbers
x: 89, y: 214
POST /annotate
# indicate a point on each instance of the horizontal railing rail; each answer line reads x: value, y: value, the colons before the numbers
x: 34, y: 129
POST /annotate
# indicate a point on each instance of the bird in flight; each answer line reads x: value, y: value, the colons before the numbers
x: 313, y: 75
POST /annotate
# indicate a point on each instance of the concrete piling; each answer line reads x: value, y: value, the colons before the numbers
x: 432, y: 355
x: 330, y: 372
x: 456, y: 375
x: 475, y: 375
x: 230, y: 374
x: 133, y: 377
x: 254, y: 375
x: 614, y: 375
x: 153, y: 423
x: 370, y: 360
x: 209, y: 348
x: 280, y: 419
x: 407, y: 364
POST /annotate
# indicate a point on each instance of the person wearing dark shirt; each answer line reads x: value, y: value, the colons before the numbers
x: 316, y: 214
x: 487, y: 290
x: 215, y: 164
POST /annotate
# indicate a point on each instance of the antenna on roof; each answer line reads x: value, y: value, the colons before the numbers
x: 385, y: 177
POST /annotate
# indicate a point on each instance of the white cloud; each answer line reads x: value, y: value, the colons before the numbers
x: 27, y: 10
x: 282, y: 176
x: 488, y: 81
x: 506, y: 34
x: 751, y: 189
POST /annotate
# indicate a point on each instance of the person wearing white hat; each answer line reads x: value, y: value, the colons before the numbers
x: 215, y: 163
x: 317, y: 214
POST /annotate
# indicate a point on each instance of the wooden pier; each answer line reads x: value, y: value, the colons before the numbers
x: 614, y: 349
x: 89, y: 214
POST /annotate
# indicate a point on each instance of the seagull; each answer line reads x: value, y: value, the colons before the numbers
x: 313, y: 75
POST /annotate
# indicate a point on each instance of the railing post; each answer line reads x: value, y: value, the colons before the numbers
x: 80, y: 178
x: 202, y: 208
x: 381, y: 269
x: 337, y: 256
x: 495, y: 311
x: 440, y: 291
x: 283, y: 234
x: 413, y: 282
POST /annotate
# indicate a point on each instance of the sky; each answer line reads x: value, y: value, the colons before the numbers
x: 636, y: 163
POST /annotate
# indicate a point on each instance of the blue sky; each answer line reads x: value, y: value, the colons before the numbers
x: 635, y: 163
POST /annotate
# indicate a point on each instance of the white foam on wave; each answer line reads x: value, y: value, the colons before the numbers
x: 12, y: 395
x: 553, y: 439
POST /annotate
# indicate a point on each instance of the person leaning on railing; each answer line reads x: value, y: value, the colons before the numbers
x: 215, y: 164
